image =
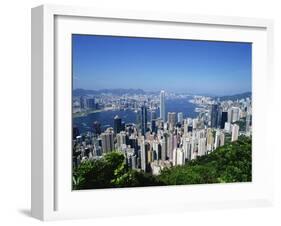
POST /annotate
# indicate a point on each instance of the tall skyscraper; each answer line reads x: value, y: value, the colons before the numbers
x: 214, y: 115
x: 152, y: 116
x: 248, y: 122
x: 75, y: 132
x: 235, y: 133
x: 162, y: 106
x: 143, y: 120
x: 91, y: 104
x: 180, y: 117
x: 185, y: 126
x: 219, y: 139
x: 107, y: 141
x: 97, y: 127
x: 171, y: 120
x: 143, y: 154
x: 153, y: 126
x: 171, y: 145
x: 83, y: 102
x: 153, y: 121
x: 120, y: 140
x: 117, y: 124
x: 179, y: 158
x: 187, y: 147
x: 235, y: 114
x: 210, y: 140
x: 223, y: 119
x: 164, y: 147
x: 202, y: 146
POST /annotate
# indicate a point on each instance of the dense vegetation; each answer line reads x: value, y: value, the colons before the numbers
x: 230, y: 163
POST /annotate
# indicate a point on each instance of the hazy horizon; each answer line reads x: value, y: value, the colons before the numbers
x: 168, y: 91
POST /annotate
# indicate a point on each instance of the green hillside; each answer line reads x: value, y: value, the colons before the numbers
x: 230, y: 163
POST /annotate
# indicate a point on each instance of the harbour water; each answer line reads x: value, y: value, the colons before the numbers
x: 85, y: 123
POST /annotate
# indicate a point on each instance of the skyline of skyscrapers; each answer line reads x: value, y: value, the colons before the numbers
x: 161, y: 139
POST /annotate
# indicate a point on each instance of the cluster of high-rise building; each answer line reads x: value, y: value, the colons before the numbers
x: 154, y: 141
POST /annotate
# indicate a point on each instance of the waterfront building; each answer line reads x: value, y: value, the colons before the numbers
x: 91, y: 104
x: 97, y: 128
x: 117, y: 124
x: 75, y: 132
x: 83, y: 102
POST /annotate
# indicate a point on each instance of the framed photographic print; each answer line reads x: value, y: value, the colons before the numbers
x: 137, y: 112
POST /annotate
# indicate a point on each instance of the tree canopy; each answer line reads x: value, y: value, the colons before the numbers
x: 229, y: 163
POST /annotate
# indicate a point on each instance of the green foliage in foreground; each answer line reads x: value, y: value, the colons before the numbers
x: 230, y: 163
x: 109, y: 172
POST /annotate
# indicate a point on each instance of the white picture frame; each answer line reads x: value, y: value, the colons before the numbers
x: 52, y: 198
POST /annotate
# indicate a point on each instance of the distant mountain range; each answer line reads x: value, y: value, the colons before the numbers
x: 236, y: 96
x: 83, y: 92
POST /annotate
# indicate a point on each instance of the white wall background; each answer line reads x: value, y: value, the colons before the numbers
x: 15, y: 111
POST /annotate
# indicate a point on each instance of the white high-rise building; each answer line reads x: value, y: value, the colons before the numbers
x: 235, y: 133
x: 210, y: 140
x: 121, y: 140
x: 178, y: 157
x: 180, y: 117
x: 194, y: 123
x: 235, y: 116
x: 143, y: 154
x: 202, y: 146
x: 107, y: 141
x: 171, y: 120
x: 162, y: 105
x: 227, y: 127
x: 185, y: 126
x: 163, y: 143
x: 171, y: 145
x: 194, y: 148
x: 219, y: 139
x: 186, y: 145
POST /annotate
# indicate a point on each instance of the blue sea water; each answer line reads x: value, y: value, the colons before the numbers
x: 85, y: 123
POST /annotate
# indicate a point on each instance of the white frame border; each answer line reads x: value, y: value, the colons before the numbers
x: 43, y: 91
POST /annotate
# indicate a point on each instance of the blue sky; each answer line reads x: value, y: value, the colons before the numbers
x: 204, y: 67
